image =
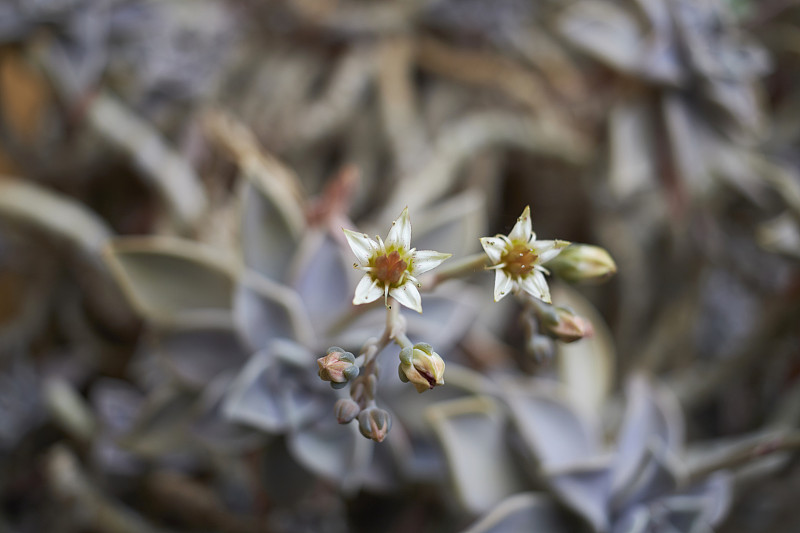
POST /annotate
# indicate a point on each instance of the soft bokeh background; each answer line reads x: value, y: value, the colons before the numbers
x: 155, y: 154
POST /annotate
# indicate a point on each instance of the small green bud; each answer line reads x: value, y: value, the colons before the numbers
x: 374, y: 423
x: 423, y: 367
x: 337, y: 366
x: 346, y: 410
x: 569, y: 327
x: 583, y: 263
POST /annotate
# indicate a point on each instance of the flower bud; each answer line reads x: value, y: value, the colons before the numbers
x: 337, y: 366
x: 423, y: 367
x: 346, y: 410
x: 374, y: 423
x: 541, y: 347
x: 583, y: 262
x: 568, y: 327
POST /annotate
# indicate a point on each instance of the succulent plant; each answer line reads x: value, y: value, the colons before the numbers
x: 640, y: 483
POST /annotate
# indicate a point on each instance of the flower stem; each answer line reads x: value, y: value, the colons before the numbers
x: 459, y: 268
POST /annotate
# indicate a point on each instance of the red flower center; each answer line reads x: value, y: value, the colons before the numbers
x: 389, y: 268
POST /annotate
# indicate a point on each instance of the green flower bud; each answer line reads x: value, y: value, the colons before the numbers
x: 374, y: 423
x: 423, y: 367
x: 584, y: 263
x: 569, y: 327
x: 346, y: 410
x: 337, y: 366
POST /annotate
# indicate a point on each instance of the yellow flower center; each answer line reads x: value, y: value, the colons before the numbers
x: 519, y: 259
x: 389, y: 268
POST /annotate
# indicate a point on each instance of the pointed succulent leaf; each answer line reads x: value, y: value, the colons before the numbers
x: 168, y: 172
x: 471, y: 431
x: 161, y: 426
x: 271, y: 396
x: 265, y: 311
x: 586, y: 489
x: 197, y: 353
x: 58, y: 216
x: 165, y: 278
x: 213, y: 429
x: 636, y: 520
x: 322, y: 280
x: 269, y: 236
x: 331, y: 450
x: 652, y: 415
x: 658, y: 475
x: 556, y: 434
x: 528, y: 511
x: 67, y: 221
x: 716, y: 496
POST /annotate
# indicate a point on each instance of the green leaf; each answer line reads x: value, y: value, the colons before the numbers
x: 165, y: 278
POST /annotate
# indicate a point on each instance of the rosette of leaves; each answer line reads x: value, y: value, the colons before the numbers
x: 295, y: 264
x: 640, y: 484
x: 283, y: 294
x: 695, y: 113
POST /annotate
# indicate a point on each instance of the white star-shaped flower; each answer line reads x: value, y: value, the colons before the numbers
x: 391, y: 267
x: 518, y: 260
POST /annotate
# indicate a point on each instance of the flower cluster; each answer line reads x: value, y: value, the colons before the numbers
x: 391, y: 269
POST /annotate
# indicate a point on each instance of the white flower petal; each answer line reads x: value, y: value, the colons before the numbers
x: 363, y: 247
x: 522, y: 230
x: 547, y: 250
x: 367, y: 290
x: 535, y: 284
x: 400, y: 233
x: 494, y: 247
x: 408, y: 295
x: 502, y: 284
x: 425, y: 260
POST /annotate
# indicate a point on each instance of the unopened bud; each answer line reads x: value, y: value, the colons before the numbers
x: 346, y: 410
x: 374, y: 423
x: 423, y: 367
x: 337, y: 366
x: 569, y: 327
x: 583, y: 262
x: 541, y: 347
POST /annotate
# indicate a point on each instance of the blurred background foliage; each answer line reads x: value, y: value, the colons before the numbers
x: 174, y: 177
